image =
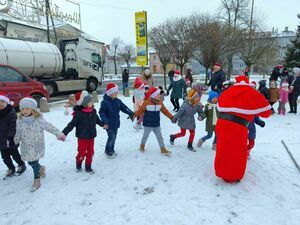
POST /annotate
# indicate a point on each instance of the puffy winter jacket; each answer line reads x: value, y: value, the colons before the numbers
x: 85, y: 123
x: 8, y: 118
x: 178, y: 88
x: 110, y: 111
x: 151, y: 112
x: 217, y: 80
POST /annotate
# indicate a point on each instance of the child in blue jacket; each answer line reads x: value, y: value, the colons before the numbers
x: 110, y: 115
x: 252, y: 132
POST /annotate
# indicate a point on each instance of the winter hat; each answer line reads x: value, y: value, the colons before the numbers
x: 279, y: 66
x: 139, y: 84
x: 83, y: 98
x: 147, y: 72
x: 187, y: 82
x: 262, y: 82
x: 177, y: 72
x: 212, y: 95
x: 152, y: 93
x: 192, y: 94
x: 111, y: 88
x: 28, y: 103
x: 253, y: 84
x: 273, y: 84
x: 296, y: 71
x: 242, y: 79
x: 218, y: 65
x: 285, y: 84
x: 4, y: 98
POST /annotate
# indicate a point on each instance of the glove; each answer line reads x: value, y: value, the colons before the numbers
x: 62, y: 138
x: 10, y: 142
x: 105, y: 127
x: 262, y: 124
x: 132, y: 117
x: 174, y: 119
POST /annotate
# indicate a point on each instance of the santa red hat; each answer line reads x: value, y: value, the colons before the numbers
x: 279, y: 66
x: 242, y: 79
x: 111, y: 88
x: 218, y: 65
x: 139, y: 84
x: 152, y: 93
x: 4, y: 98
x: 177, y: 72
x: 253, y: 84
x: 80, y: 96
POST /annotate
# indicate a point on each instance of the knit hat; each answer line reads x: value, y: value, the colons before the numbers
x: 139, y: 84
x: 177, y: 72
x: 242, y: 79
x: 28, y: 103
x: 152, y: 93
x: 4, y: 98
x: 273, y: 84
x: 111, y: 88
x: 147, y: 72
x: 296, y: 71
x: 212, y: 95
x: 83, y: 98
x: 192, y: 94
x: 253, y: 84
x: 218, y: 65
x: 279, y: 66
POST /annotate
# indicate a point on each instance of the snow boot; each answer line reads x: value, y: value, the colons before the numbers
x: 9, y: 173
x: 112, y: 155
x: 142, y: 148
x: 21, y: 169
x: 78, y: 167
x: 214, y: 147
x: 166, y: 152
x: 200, y: 143
x: 190, y: 147
x: 89, y: 169
x: 43, y: 172
x: 172, y: 139
x: 36, y: 185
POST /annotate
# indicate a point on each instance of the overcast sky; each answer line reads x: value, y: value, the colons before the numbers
x: 106, y: 19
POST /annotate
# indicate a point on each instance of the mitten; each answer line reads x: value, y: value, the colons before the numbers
x: 174, y: 119
x: 262, y: 124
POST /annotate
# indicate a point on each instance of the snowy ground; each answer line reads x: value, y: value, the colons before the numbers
x: 151, y: 189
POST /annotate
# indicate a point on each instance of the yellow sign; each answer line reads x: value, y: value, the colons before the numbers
x: 141, y: 38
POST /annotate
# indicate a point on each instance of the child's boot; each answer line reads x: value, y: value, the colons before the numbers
x: 172, y: 139
x: 78, y: 166
x: 200, y: 143
x: 43, y: 172
x: 89, y: 169
x: 142, y: 148
x: 165, y: 151
x: 190, y: 147
x: 10, y: 173
x: 21, y: 169
x: 283, y: 112
x: 36, y: 185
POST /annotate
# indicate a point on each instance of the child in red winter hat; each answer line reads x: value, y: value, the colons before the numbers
x: 139, y: 95
x: 151, y: 109
x: 85, y: 119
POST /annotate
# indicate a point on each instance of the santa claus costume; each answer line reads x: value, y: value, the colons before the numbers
x: 237, y: 106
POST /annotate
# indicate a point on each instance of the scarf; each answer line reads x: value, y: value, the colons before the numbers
x: 215, y: 116
x: 28, y: 119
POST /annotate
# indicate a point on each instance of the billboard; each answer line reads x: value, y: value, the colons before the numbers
x: 34, y: 11
x: 141, y: 38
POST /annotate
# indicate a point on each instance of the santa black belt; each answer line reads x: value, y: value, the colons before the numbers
x: 234, y: 118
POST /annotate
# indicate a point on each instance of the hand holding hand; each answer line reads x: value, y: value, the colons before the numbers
x: 105, y: 127
x: 174, y: 119
x: 132, y: 117
x: 62, y: 138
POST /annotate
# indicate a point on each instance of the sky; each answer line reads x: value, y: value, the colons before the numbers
x: 107, y: 19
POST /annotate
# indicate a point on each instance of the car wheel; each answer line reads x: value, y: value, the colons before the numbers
x: 91, y: 84
x: 51, y: 88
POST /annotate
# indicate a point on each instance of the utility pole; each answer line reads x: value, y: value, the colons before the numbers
x: 47, y: 20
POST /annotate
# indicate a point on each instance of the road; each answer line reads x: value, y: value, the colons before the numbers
x: 158, y: 80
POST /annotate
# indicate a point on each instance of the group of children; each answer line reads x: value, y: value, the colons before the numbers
x: 27, y: 129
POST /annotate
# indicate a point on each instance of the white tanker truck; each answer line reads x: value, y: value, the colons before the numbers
x: 73, y: 65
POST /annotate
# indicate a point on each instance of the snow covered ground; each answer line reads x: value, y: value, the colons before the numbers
x: 151, y: 189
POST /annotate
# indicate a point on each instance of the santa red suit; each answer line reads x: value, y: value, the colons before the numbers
x: 237, y: 107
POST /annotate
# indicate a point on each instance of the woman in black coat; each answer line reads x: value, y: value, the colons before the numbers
x: 295, y: 90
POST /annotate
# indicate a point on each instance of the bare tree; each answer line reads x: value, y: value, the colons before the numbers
x: 114, y: 50
x: 126, y: 52
x: 158, y: 38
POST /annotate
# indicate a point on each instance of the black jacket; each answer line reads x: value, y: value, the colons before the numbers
x: 85, y: 123
x: 8, y: 118
x: 125, y: 76
x: 275, y: 74
x: 217, y: 79
x: 296, y: 84
x: 264, y: 91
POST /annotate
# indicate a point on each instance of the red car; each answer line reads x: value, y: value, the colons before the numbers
x: 16, y: 85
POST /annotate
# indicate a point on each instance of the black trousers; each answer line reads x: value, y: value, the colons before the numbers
x: 293, y: 102
x: 9, y: 153
x: 175, y: 103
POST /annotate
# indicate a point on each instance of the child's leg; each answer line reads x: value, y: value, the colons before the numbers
x: 110, y: 144
x: 159, y: 137
x: 89, y: 153
x: 81, y: 151
x: 177, y: 103
x: 146, y: 134
x: 192, y: 136
x: 181, y: 134
x: 173, y: 103
x: 283, y: 110
x: 36, y: 168
x: 16, y: 156
x: 7, y: 159
x: 208, y: 136
x: 279, y: 107
x: 251, y: 144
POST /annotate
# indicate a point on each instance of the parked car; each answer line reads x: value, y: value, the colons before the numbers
x: 17, y: 85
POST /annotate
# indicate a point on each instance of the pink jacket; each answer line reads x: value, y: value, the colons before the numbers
x: 283, y: 95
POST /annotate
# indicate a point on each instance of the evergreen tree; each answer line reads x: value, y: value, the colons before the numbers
x: 292, y: 57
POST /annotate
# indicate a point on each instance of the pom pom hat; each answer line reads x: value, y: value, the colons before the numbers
x: 83, y: 98
x: 4, y: 98
x: 111, y: 88
x: 29, y: 103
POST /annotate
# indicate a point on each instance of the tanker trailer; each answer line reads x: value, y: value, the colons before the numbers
x: 73, y: 66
